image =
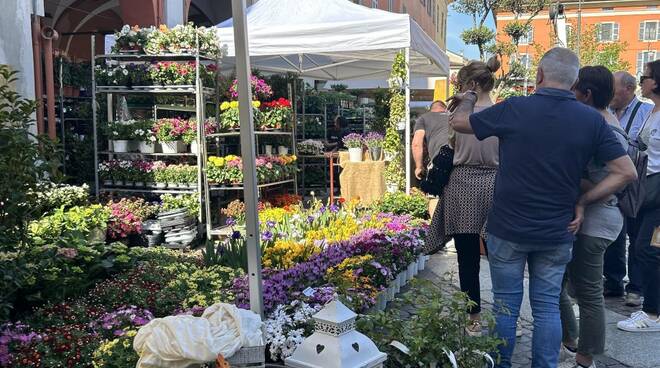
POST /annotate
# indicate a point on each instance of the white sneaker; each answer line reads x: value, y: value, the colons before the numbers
x: 573, y: 364
x: 566, y: 355
x: 519, y: 330
x: 639, y: 322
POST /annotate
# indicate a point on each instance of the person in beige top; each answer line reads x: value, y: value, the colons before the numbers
x: 469, y: 193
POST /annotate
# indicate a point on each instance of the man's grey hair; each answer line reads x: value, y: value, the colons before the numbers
x: 560, y: 65
x: 627, y: 79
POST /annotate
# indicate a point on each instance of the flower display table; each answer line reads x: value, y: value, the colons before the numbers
x: 361, y: 180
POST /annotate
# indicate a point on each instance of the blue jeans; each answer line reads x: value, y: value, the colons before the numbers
x: 547, y: 264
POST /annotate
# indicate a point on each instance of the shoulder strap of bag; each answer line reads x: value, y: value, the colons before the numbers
x: 632, y: 116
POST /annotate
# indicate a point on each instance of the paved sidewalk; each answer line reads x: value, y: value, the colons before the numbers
x: 623, y: 349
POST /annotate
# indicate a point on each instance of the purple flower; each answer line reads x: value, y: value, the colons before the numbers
x: 267, y: 236
x: 230, y: 221
x: 270, y: 223
x: 334, y: 208
x: 236, y: 235
x: 118, y: 333
x: 310, y: 219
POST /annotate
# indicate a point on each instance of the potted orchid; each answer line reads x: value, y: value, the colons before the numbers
x: 353, y: 142
x: 170, y: 133
x: 374, y: 142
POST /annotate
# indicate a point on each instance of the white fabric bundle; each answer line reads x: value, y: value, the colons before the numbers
x: 179, y: 341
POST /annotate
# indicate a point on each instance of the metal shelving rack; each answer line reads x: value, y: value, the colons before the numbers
x: 203, y: 95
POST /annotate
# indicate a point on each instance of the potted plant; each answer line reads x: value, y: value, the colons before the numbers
x: 374, y: 142
x: 229, y: 115
x: 105, y: 171
x: 144, y: 135
x: 161, y: 176
x: 276, y: 114
x: 310, y: 147
x: 121, y: 133
x: 353, y: 142
x: 131, y: 39
x: 170, y: 132
x: 190, y: 137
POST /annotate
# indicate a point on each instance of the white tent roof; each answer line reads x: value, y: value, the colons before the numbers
x: 333, y: 40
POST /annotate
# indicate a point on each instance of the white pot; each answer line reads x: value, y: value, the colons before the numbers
x: 381, y: 301
x: 194, y: 147
x: 282, y: 150
x: 389, y: 156
x: 355, y: 154
x: 421, y: 262
x: 147, y: 147
x: 173, y: 147
x: 402, y: 278
x: 392, y: 188
x: 391, y: 291
x: 269, y: 150
x: 107, y: 183
x: 120, y: 146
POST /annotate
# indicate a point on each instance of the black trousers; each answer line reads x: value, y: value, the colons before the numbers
x: 614, y: 268
x: 649, y: 260
x: 468, y: 250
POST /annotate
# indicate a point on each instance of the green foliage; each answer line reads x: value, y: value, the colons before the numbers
x: 230, y: 253
x: 25, y: 160
x: 74, y: 222
x: 516, y: 30
x: 414, y: 204
x: 437, y: 326
x: 173, y: 202
x: 202, y: 287
x: 478, y: 36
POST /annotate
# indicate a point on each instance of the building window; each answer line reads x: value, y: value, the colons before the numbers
x: 643, y: 58
x: 405, y: 11
x: 608, y: 32
x: 525, y: 60
x: 527, y: 38
x: 374, y: 4
x: 429, y: 6
x: 608, y: 9
x: 649, y: 30
x: 390, y: 5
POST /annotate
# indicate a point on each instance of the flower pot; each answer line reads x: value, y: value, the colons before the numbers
x: 107, y: 183
x: 402, y: 278
x: 96, y: 235
x: 139, y: 184
x: 269, y: 150
x: 194, y: 147
x: 147, y: 147
x: 392, y: 188
x: 391, y: 291
x: 118, y: 183
x: 129, y: 183
x: 161, y: 185
x: 421, y: 262
x: 355, y: 154
x: 150, y: 185
x: 413, y: 268
x: 133, y: 146
x: 120, y: 146
x: 173, y: 147
x: 397, y: 284
x: 375, y: 153
x: 389, y: 156
x: 282, y: 150
x: 381, y: 301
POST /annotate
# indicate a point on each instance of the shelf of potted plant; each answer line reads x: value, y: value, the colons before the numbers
x: 265, y: 185
x: 143, y: 190
x: 155, y: 154
x: 171, y: 89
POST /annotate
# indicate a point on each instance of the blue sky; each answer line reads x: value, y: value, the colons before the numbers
x: 456, y: 23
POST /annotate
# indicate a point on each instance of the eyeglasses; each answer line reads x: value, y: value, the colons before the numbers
x: 642, y: 78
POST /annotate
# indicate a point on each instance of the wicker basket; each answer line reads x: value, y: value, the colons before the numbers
x: 253, y: 357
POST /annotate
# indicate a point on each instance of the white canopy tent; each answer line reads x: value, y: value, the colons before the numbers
x: 335, y: 40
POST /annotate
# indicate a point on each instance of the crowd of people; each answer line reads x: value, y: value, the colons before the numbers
x: 565, y: 183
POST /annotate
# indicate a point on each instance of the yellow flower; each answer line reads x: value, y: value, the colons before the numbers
x: 233, y: 104
x: 163, y: 28
x: 224, y: 106
x: 256, y: 104
x: 131, y: 333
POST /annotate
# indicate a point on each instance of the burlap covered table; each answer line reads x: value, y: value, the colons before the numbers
x: 364, y: 180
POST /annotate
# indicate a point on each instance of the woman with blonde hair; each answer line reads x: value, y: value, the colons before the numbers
x: 469, y: 193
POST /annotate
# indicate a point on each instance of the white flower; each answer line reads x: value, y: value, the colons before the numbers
x: 125, y: 29
x: 125, y: 72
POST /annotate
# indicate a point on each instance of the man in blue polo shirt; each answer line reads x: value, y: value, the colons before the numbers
x: 546, y: 141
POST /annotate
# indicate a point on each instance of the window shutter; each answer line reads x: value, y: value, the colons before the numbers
x: 531, y: 35
x: 641, y: 31
x: 615, y: 32
x: 640, y: 61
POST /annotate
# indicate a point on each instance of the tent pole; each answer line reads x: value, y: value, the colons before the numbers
x: 407, y: 129
x: 250, y: 194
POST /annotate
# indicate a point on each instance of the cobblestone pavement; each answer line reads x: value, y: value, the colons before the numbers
x: 443, y: 263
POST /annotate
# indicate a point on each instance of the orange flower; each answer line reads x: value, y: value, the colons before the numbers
x: 163, y: 28
x: 136, y: 28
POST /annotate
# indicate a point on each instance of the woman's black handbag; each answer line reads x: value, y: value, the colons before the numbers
x: 437, y: 175
x: 652, y: 196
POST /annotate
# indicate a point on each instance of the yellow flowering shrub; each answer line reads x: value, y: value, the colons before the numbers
x: 274, y: 214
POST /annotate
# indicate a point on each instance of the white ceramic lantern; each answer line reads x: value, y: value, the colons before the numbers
x: 335, y: 343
